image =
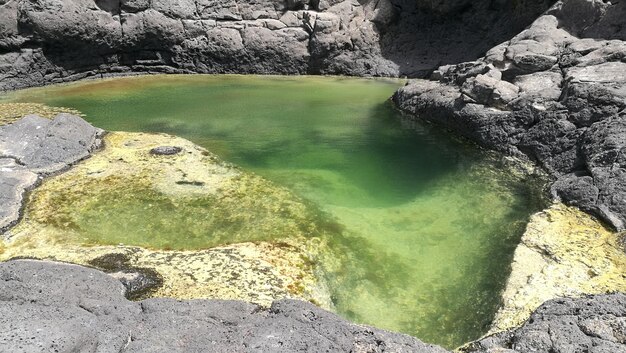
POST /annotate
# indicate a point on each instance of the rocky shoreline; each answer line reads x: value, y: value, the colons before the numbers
x: 67, y: 308
x: 554, y: 94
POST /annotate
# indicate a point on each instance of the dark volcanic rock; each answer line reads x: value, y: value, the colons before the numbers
x: 52, y: 307
x: 34, y: 147
x: 48, y: 41
x: 596, y: 324
x: 165, y: 150
x: 555, y: 93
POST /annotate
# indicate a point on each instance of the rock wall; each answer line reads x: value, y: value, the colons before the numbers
x: 48, y: 41
x: 555, y: 93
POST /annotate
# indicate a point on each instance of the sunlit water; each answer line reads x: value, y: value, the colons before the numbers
x: 430, y: 222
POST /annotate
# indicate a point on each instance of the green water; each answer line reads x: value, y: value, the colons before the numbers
x: 430, y: 222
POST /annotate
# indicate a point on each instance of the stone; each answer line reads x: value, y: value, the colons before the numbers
x: 49, y: 41
x: 52, y: 306
x: 15, y: 180
x: 48, y: 146
x: 490, y: 91
x: 558, y: 84
x: 592, y: 324
x: 34, y: 147
x: 166, y: 150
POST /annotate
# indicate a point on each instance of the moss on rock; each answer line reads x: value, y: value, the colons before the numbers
x: 207, y: 228
x: 563, y: 253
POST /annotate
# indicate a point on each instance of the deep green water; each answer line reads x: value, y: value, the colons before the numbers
x: 430, y: 222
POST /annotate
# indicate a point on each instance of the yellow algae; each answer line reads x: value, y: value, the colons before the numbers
x: 563, y: 253
x: 255, y: 272
x: 126, y: 195
x: 10, y: 112
x: 207, y: 228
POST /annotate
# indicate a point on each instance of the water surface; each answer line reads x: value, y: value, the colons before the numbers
x: 430, y: 222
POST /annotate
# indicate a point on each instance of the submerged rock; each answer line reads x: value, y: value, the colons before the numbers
x: 66, y: 308
x: 11, y: 112
x: 186, y: 208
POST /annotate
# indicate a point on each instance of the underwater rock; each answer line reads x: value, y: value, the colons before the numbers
x: 562, y: 102
x: 144, y: 201
x: 67, y: 308
x: 11, y: 112
x: 165, y: 150
x: 563, y: 253
x: 590, y: 324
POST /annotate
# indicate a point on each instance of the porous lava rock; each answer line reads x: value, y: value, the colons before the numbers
x: 48, y: 307
x: 555, y: 93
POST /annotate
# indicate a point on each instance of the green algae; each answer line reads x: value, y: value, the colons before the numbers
x: 100, y: 203
x: 421, y: 227
x: 10, y: 112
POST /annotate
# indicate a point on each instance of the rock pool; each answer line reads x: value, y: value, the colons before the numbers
x: 428, y: 223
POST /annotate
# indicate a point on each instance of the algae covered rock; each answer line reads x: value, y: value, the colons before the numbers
x: 563, y: 253
x: 186, y: 224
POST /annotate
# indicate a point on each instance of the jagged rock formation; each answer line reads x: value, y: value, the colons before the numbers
x: 34, y: 147
x: 47, y: 41
x: 595, y: 324
x: 556, y: 93
x: 53, y: 307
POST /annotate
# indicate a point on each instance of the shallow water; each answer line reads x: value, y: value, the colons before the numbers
x: 430, y: 223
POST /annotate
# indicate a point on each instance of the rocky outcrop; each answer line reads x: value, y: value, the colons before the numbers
x: 555, y: 93
x: 592, y: 324
x: 34, y: 147
x: 47, y: 307
x: 47, y: 41
x: 128, y: 209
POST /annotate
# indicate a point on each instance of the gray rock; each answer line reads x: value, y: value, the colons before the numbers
x: 48, y: 307
x: 166, y: 150
x: 591, y: 324
x: 15, y: 180
x: 568, y: 114
x: 50, y: 41
x: 34, y: 147
x: 48, y: 146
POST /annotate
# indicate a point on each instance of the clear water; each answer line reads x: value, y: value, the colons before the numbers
x: 430, y: 223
